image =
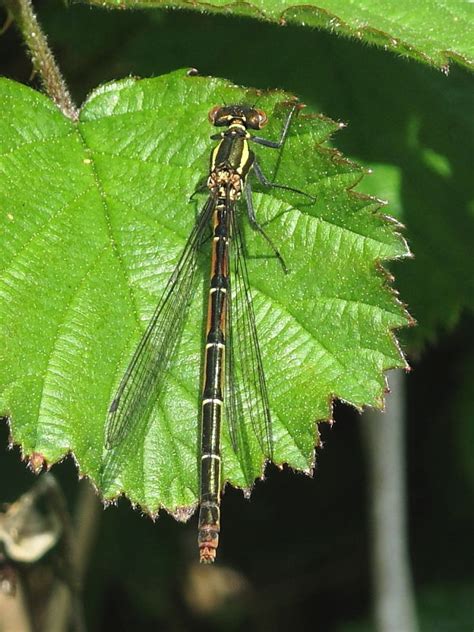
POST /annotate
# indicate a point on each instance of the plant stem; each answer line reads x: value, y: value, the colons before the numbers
x: 42, y: 58
x: 383, y: 433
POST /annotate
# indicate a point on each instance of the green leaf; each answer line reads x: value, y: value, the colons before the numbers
x: 447, y: 283
x: 412, y: 126
x: 95, y: 215
x: 430, y: 31
x: 419, y: 149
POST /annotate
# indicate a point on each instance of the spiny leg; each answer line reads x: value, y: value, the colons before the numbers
x: 254, y: 223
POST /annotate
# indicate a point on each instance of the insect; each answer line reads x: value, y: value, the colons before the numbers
x: 231, y: 333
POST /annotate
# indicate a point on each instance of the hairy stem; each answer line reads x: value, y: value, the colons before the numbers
x: 394, y: 603
x: 42, y: 58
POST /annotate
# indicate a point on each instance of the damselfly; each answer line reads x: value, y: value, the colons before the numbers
x: 231, y: 333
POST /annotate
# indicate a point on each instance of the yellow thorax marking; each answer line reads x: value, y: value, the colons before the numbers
x: 245, y: 148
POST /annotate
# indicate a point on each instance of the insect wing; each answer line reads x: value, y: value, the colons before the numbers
x: 246, y: 388
x: 143, y: 379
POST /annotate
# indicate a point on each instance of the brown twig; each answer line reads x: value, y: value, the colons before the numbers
x: 42, y: 58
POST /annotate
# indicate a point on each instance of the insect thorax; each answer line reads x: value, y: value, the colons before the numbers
x: 225, y: 183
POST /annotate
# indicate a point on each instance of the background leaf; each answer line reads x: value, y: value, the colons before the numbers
x: 430, y: 31
x: 94, y: 231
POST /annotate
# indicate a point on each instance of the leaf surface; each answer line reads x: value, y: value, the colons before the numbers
x: 432, y: 31
x: 95, y: 215
x: 411, y: 126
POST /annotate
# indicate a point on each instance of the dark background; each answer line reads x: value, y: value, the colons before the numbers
x: 297, y: 554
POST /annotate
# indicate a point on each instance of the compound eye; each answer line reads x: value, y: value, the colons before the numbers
x: 213, y: 114
x: 262, y: 118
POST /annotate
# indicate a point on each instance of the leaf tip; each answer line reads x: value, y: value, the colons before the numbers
x: 37, y: 462
x: 181, y: 514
